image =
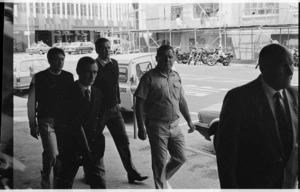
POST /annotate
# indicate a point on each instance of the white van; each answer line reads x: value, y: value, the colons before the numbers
x: 131, y: 69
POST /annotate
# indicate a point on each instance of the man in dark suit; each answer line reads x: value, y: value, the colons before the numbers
x: 257, y: 138
x: 79, y: 131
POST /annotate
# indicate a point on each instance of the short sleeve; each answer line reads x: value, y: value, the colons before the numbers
x: 143, y: 87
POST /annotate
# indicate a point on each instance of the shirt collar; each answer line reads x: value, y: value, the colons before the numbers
x: 83, y: 88
x: 165, y: 75
x: 269, y: 90
x: 102, y: 62
x: 53, y: 72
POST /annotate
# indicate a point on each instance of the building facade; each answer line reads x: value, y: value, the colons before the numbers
x: 241, y: 28
x: 55, y: 21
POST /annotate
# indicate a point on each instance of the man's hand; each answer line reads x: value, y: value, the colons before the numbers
x: 192, y: 127
x: 34, y: 131
x: 142, y: 134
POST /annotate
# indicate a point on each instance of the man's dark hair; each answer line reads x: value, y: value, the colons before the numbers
x: 162, y: 49
x: 271, y: 55
x: 82, y: 62
x: 100, y: 41
x: 53, y: 52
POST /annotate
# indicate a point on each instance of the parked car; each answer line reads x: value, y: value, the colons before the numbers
x: 40, y: 48
x: 24, y: 68
x: 208, y: 122
x: 78, y: 47
x: 90, y: 44
x: 131, y: 68
x: 61, y: 45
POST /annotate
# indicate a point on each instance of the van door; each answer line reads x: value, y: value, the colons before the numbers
x: 23, y: 77
x: 124, y: 85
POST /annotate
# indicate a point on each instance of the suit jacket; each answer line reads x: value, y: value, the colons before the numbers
x: 74, y: 114
x: 249, y: 150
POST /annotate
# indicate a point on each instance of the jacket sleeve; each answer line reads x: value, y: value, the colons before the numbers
x: 227, y: 140
x: 31, y: 104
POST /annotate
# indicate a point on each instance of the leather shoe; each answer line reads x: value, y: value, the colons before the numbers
x: 132, y: 179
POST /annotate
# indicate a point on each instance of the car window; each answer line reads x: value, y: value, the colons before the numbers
x: 39, y: 65
x: 142, y: 68
x: 25, y: 66
x: 123, y: 74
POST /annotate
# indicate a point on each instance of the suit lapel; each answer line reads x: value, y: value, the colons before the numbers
x: 292, y: 112
x: 268, y: 122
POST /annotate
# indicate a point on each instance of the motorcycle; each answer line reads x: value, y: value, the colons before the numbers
x: 181, y: 58
x: 192, y: 55
x: 216, y: 57
x: 201, y: 56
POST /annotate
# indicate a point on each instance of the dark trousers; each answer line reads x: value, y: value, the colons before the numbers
x: 70, y: 163
x: 115, y: 123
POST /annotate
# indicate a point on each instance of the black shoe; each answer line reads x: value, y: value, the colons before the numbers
x: 132, y: 179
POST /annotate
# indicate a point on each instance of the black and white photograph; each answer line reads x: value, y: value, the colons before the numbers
x: 139, y: 94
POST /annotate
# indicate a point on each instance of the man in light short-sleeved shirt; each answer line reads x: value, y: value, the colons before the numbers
x: 160, y: 98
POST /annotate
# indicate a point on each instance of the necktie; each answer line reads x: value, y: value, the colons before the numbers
x: 87, y: 94
x: 282, y: 123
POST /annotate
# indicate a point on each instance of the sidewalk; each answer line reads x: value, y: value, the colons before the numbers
x: 198, y: 172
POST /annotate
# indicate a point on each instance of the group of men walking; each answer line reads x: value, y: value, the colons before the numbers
x: 70, y: 117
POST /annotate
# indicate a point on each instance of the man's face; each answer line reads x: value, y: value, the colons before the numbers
x: 88, y: 75
x: 279, y: 76
x: 165, y: 61
x: 104, y: 50
x: 57, y: 62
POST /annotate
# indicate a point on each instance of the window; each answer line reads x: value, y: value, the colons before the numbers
x: 95, y: 10
x: 69, y: 9
x: 100, y: 10
x: 37, y: 7
x: 77, y: 10
x: 48, y: 8
x: 54, y: 8
x: 83, y: 10
x: 175, y: 11
x: 39, y: 65
x: 261, y: 8
x: 72, y: 9
x: 123, y: 74
x: 110, y: 11
x: 205, y: 9
x: 31, y: 7
x: 90, y: 10
x: 42, y: 7
x: 142, y: 68
x: 63, y: 9
x: 19, y: 7
x: 58, y: 8
x: 25, y: 66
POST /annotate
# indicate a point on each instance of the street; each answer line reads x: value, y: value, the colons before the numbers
x: 203, y: 85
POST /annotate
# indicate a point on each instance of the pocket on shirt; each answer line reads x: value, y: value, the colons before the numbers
x: 176, y: 90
